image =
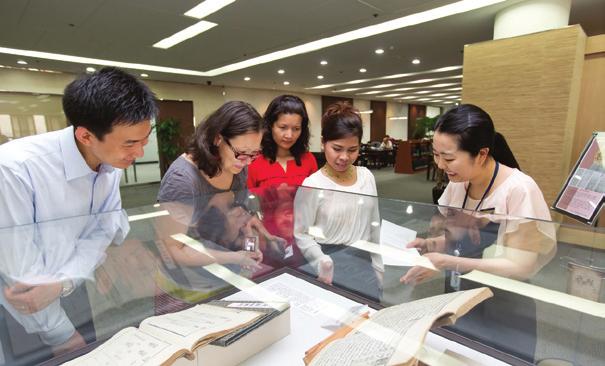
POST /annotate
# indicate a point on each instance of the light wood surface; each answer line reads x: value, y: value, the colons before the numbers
x: 530, y: 85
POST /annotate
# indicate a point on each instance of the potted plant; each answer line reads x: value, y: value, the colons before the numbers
x: 167, y: 132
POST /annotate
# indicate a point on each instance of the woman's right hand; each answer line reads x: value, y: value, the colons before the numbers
x: 326, y: 270
x: 427, y: 245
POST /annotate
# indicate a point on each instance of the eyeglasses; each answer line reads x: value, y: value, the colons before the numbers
x: 241, y: 156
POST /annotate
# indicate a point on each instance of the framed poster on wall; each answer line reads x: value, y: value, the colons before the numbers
x: 583, y: 194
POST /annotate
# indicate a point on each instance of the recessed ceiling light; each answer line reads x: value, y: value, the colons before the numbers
x: 185, y: 34
x: 416, y: 61
x: 207, y: 7
x: 247, y: 78
x: 90, y: 69
x: 32, y: 69
x: 143, y: 75
x: 22, y: 62
x: 281, y: 71
x: 320, y: 77
x: 362, y: 70
x: 286, y: 83
x: 379, y: 51
x: 323, y: 62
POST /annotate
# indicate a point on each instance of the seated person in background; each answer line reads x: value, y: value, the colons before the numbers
x: 386, y: 144
x: 73, y: 172
x: 342, y: 218
x: 212, y: 172
x: 284, y: 164
x: 484, y: 177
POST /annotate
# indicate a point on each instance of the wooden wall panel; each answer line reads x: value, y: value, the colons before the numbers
x: 378, y: 120
x: 530, y: 85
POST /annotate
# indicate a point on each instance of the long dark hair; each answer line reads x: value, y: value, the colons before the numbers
x: 341, y: 120
x: 286, y: 104
x: 232, y: 119
x: 474, y: 130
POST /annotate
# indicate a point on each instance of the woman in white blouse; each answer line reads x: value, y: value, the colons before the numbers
x: 485, y: 178
x: 341, y: 209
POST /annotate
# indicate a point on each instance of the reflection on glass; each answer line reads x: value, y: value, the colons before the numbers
x: 181, y: 253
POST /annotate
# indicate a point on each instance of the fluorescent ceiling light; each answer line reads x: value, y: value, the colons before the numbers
x: 393, y: 76
x: 453, y: 97
x: 403, y: 117
x: 286, y: 83
x: 369, y: 111
x: 207, y: 7
x: 22, y: 62
x: 96, y: 61
x: 144, y: 75
x: 345, y: 90
x: 372, y: 30
x: 90, y: 69
x: 399, y: 23
x: 247, y: 78
x: 416, y: 61
x: 423, y: 99
x: 280, y: 71
x: 362, y: 70
x: 185, y: 34
x: 379, y: 51
x: 323, y: 62
x: 390, y: 95
x: 408, y: 97
x: 320, y: 77
x: 371, y: 92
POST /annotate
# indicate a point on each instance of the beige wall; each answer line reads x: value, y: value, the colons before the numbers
x: 530, y: 85
x: 205, y: 99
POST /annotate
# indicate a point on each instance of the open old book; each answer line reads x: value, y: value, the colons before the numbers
x: 162, y: 340
x: 394, y: 335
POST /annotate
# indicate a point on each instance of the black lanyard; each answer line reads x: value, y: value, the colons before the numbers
x: 491, y: 183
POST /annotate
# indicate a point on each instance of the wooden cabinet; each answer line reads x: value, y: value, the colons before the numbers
x: 413, y: 155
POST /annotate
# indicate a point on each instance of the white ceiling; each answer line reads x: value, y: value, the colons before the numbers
x: 121, y: 30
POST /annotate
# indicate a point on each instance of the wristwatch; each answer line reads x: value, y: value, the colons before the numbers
x: 67, y: 287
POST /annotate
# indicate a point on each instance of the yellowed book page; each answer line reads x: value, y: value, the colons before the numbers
x: 393, y: 336
x: 198, y: 324
x: 538, y: 293
x: 129, y: 346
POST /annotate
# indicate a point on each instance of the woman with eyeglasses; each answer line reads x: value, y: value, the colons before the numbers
x: 283, y: 165
x: 337, y: 209
x: 210, y: 175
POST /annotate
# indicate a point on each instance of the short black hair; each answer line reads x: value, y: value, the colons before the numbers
x: 107, y: 98
x: 286, y: 104
x: 474, y: 130
x: 341, y: 120
x: 232, y: 119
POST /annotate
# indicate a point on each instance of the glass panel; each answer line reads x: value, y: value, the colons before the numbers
x: 126, y: 266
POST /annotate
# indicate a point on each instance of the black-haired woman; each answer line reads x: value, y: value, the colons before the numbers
x: 341, y: 209
x: 485, y: 178
x: 283, y: 166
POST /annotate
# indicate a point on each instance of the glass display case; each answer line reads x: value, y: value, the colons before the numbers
x: 69, y: 285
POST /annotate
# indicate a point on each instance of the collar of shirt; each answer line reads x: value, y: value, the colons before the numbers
x: 73, y: 162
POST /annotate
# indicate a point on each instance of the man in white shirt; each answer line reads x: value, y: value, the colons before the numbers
x: 73, y: 172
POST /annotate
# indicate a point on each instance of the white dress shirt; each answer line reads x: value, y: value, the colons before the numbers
x: 44, y: 177
x: 57, y: 217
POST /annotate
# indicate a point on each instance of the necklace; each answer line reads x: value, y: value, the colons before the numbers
x: 340, y: 176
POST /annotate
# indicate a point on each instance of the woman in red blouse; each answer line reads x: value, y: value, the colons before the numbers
x: 283, y: 166
x: 286, y: 157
